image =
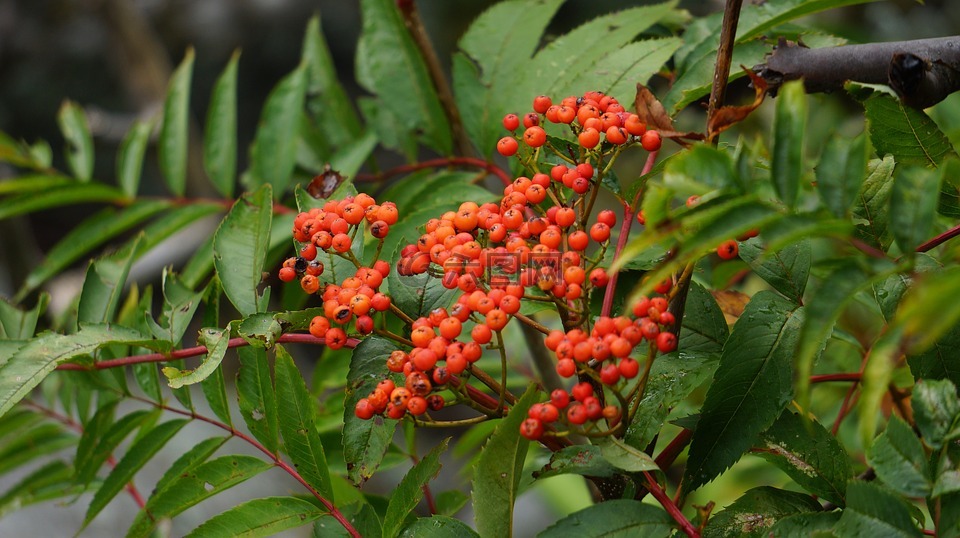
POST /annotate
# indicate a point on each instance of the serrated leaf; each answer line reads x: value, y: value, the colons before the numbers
x: 88, y: 235
x: 130, y: 157
x: 326, y: 98
x: 240, y: 249
x: 935, y: 409
x: 756, y: 511
x: 389, y: 64
x: 40, y: 356
x: 618, y: 72
x: 949, y: 204
x: 870, y: 210
x: 752, y: 385
x: 197, y: 484
x: 173, y: 142
x: 913, y: 206
x: 274, y: 151
x: 41, y: 440
x: 807, y: 525
x: 69, y: 194
x: 103, y: 285
x: 877, y: 373
x: 256, y: 397
x: 417, y: 295
x: 899, y: 460
x: 51, y: 481
x: 904, y: 132
x: 214, y: 386
x: 79, y: 142
x: 809, y: 454
x: 617, y: 518
x: 840, y: 172
x: 927, y: 311
x: 873, y: 511
x: 786, y: 161
x: 585, y: 460
x: 407, y: 191
x: 259, y: 517
x: 699, y: 171
x: 196, y: 455
x: 672, y: 378
x: 496, y: 478
x: 625, y: 457
x: 136, y: 457
x: 786, y: 269
x: 937, y: 362
x: 366, y: 441
x: 438, y: 527
x: 694, y: 82
x: 220, y: 136
x: 17, y: 324
x: 704, y: 327
x: 409, y: 491
x: 102, y: 436
x: 179, y: 306
x: 216, y: 342
x: 298, y: 421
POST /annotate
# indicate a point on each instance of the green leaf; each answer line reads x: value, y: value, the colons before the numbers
x: 875, y: 382
x: 258, y: 402
x: 49, y: 482
x: 935, y: 409
x: 196, y: 455
x: 809, y: 454
x: 625, y: 457
x: 700, y: 171
x: 927, y: 311
x: 786, y: 269
x: 389, y: 64
x: 870, y: 210
x: 905, y: 132
x: 79, y: 142
x: 949, y: 205
x: 806, y: 525
x: 107, y: 435
x: 913, y: 206
x: 937, y: 362
x: 498, y: 45
x: 41, y: 440
x: 704, y: 327
x: 584, y: 460
x: 756, y: 511
x: 130, y: 157
x: 899, y: 460
x: 672, y: 378
x: 71, y: 194
x: 407, y: 192
x: 617, y: 518
x: 752, y: 385
x: 325, y: 98
x: 496, y: 478
x: 786, y: 162
x: 103, y: 286
x: 214, y: 386
x: 240, y: 249
x: 274, y: 152
x: 88, y: 235
x: 298, y: 425
x: 220, y: 137
x: 417, y: 295
x: 179, y: 306
x: 195, y: 485
x: 694, y: 82
x: 409, y: 491
x: 40, y: 356
x: 17, y: 324
x: 259, y: 517
x: 947, y: 472
x: 216, y: 341
x: 174, y: 131
x: 438, y: 527
x: 840, y: 172
x: 139, y: 454
x: 873, y: 511
x: 366, y: 441
x: 618, y: 72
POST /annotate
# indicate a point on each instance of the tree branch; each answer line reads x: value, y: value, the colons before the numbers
x: 922, y: 72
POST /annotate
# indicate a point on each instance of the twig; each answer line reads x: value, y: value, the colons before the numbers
x: 721, y: 72
x: 939, y: 239
x: 670, y: 506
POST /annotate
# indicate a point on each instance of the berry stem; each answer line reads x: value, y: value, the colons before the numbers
x: 670, y: 506
x: 273, y: 457
x: 291, y: 338
x: 439, y: 163
x: 939, y: 239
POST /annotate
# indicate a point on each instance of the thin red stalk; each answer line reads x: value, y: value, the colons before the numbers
x: 629, y: 211
x: 75, y: 426
x: 291, y: 338
x: 670, y: 506
x: 940, y: 239
x: 673, y: 450
x: 835, y: 377
x: 273, y: 457
x: 437, y: 163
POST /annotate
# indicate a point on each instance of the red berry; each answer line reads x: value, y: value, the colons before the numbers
x: 650, y: 141
x: 666, y: 342
x: 560, y: 398
x: 629, y: 368
x: 577, y: 414
x: 287, y: 274
x: 535, y: 136
x: 507, y: 146
x: 728, y: 249
x: 511, y: 122
x: 581, y: 391
x: 364, y: 410
x: 532, y: 429
x: 541, y: 103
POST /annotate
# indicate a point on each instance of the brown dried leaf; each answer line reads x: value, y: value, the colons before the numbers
x: 322, y: 186
x: 727, y: 116
x: 731, y: 303
x: 651, y: 110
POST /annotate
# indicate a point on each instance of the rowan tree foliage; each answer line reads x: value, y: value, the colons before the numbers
x: 559, y: 279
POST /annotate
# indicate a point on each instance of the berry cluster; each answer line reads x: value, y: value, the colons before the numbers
x: 331, y: 229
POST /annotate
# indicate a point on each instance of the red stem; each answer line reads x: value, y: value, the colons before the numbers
x: 273, y: 457
x: 673, y: 450
x: 73, y: 425
x: 940, y: 239
x: 436, y: 163
x: 836, y: 377
x: 670, y: 506
x: 629, y: 211
x: 292, y: 338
